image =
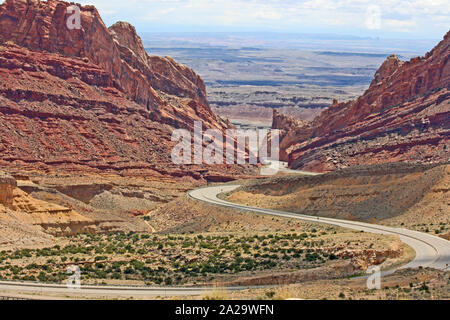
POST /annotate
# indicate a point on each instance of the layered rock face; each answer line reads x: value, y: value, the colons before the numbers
x: 119, y: 52
x: 286, y: 125
x: 7, y: 186
x: 90, y: 98
x: 21, y: 215
x: 403, y: 116
x: 56, y: 110
x: 170, y: 79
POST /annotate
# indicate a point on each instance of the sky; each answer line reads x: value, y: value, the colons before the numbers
x: 413, y: 19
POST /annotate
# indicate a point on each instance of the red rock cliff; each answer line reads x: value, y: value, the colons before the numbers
x: 7, y: 186
x: 403, y: 116
x: 41, y: 26
x: 91, y: 99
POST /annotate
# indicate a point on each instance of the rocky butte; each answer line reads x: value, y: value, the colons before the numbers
x: 403, y: 116
x: 91, y: 99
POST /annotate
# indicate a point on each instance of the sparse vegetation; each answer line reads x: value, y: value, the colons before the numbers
x: 168, y: 260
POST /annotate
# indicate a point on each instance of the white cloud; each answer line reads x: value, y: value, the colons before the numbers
x: 425, y: 17
x: 373, y: 17
x: 401, y: 25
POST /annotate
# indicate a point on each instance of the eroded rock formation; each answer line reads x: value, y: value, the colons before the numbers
x: 286, y: 125
x: 41, y: 26
x: 91, y: 99
x: 21, y: 215
x: 403, y: 116
x: 7, y: 186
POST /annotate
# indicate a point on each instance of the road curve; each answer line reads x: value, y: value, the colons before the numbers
x: 431, y: 251
x: 39, y: 290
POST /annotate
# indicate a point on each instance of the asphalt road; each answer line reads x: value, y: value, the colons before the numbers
x: 23, y: 289
x: 430, y: 251
x: 273, y: 167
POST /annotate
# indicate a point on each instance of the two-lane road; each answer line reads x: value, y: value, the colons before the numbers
x: 430, y: 251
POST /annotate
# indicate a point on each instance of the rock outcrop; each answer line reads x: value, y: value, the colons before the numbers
x: 7, y: 186
x: 90, y: 99
x: 286, y: 125
x: 53, y: 219
x: 403, y: 116
x: 41, y: 26
x: 167, y: 77
x: 21, y: 213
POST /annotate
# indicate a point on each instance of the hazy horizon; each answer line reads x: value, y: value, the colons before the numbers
x: 398, y: 19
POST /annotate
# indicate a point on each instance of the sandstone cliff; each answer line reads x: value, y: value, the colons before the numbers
x: 287, y: 125
x: 41, y: 26
x: 91, y: 99
x: 403, y: 116
x: 25, y: 220
x: 7, y: 186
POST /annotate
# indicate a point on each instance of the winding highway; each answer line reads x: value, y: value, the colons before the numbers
x: 430, y: 251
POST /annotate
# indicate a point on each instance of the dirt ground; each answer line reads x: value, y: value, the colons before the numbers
x: 414, y: 197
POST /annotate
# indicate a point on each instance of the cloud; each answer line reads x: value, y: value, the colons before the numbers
x: 422, y: 17
x: 400, y: 25
x: 373, y: 18
x: 267, y: 15
x: 155, y: 15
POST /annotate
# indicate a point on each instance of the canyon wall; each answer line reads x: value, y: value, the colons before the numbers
x: 41, y: 26
x: 7, y: 186
x: 92, y: 100
x: 403, y: 116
